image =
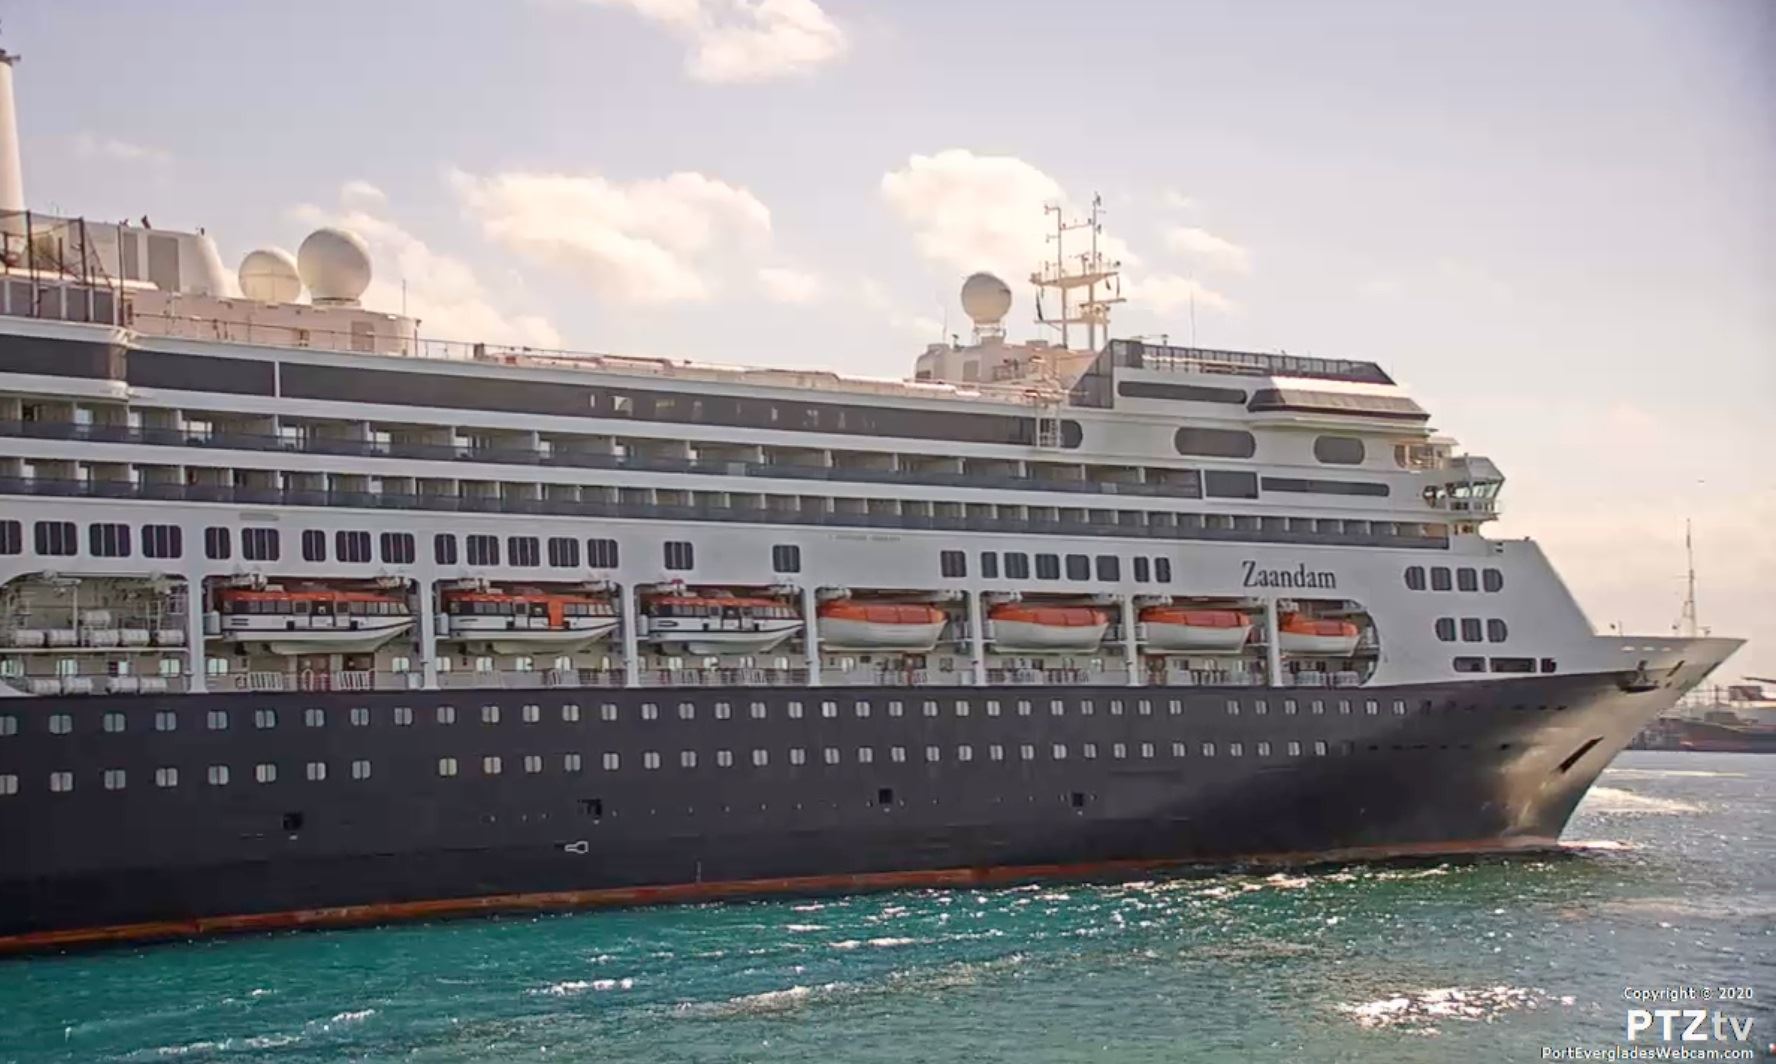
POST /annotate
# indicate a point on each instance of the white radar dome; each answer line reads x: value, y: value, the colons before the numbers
x: 985, y: 298
x: 269, y: 275
x: 335, y: 264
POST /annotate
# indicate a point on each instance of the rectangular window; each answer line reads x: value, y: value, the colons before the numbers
x: 1415, y: 578
x: 564, y: 552
x: 397, y: 548
x: 601, y: 553
x: 1078, y: 567
x: 12, y: 537
x: 1162, y: 570
x: 1143, y: 570
x: 1048, y: 567
x: 1229, y: 484
x: 989, y: 565
x: 1470, y: 629
x: 786, y: 558
x: 163, y: 541
x: 1492, y: 580
x: 1017, y: 565
x: 1495, y: 631
x: 1440, y: 578
x: 1466, y: 580
x: 218, y: 543
x: 444, y: 548
x: 55, y: 539
x: 360, y: 770
x: 1445, y: 629
x: 523, y: 551
x: 260, y: 544
x: 108, y: 540
x: 483, y: 550
x: 314, y: 545
x: 1109, y: 568
x: 167, y: 776
x: 679, y: 555
x: 352, y: 546
x: 1467, y: 664
x: 953, y: 564
x: 1513, y: 665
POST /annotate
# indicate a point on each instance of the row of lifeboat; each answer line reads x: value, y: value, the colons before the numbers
x: 523, y: 620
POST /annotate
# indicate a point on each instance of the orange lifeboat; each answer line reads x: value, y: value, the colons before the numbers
x: 1175, y: 629
x: 851, y: 625
x: 1300, y: 634
x: 1046, y: 629
x: 310, y: 619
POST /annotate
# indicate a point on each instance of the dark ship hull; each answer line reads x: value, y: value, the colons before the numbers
x: 1294, y: 775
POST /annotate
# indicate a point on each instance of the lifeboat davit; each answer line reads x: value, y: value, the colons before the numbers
x: 1297, y: 634
x: 1174, y: 629
x: 1047, y: 629
x: 527, y: 620
x: 719, y: 624
x: 312, y: 620
x: 849, y: 625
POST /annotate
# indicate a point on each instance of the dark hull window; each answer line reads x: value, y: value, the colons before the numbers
x: 1215, y: 443
x: 1230, y: 484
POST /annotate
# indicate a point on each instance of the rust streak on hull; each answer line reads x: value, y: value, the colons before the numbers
x: 678, y: 893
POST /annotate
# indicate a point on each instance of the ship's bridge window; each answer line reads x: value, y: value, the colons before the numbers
x: 1440, y: 578
x: 1492, y: 580
x: 397, y: 548
x: 163, y: 541
x: 218, y: 543
x: 1338, y: 450
x: 564, y: 552
x: 108, y: 540
x: 12, y: 537
x: 523, y: 551
x: 483, y: 550
x: 679, y: 555
x: 1215, y: 443
x: 352, y: 547
x: 260, y: 544
x: 56, y: 538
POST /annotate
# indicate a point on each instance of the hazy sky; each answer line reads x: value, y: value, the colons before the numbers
x: 1555, y: 222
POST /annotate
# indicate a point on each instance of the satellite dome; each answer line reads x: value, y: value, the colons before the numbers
x: 335, y: 264
x: 269, y: 275
x: 985, y: 298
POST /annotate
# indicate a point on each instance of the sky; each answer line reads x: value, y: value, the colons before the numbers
x: 1554, y: 223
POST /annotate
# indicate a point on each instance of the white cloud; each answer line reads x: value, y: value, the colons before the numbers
x: 361, y: 193
x: 441, y: 290
x: 783, y: 284
x: 1178, y: 201
x: 746, y: 40
x: 1168, y: 292
x: 1208, y: 251
x: 91, y: 146
x: 650, y: 241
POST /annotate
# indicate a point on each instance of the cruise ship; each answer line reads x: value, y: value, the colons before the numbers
x: 309, y: 619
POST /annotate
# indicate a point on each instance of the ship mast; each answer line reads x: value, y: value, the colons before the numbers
x: 1087, y: 270
x: 1687, y: 621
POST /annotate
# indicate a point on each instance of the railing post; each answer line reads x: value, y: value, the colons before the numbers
x: 977, y: 641
x: 811, y: 634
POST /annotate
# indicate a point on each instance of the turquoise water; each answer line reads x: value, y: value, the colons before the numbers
x: 1484, y: 961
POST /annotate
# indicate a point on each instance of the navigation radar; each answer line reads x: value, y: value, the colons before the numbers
x: 335, y: 264
x: 268, y: 275
x: 986, y: 299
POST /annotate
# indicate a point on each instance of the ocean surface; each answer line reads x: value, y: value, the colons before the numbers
x: 1671, y: 882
